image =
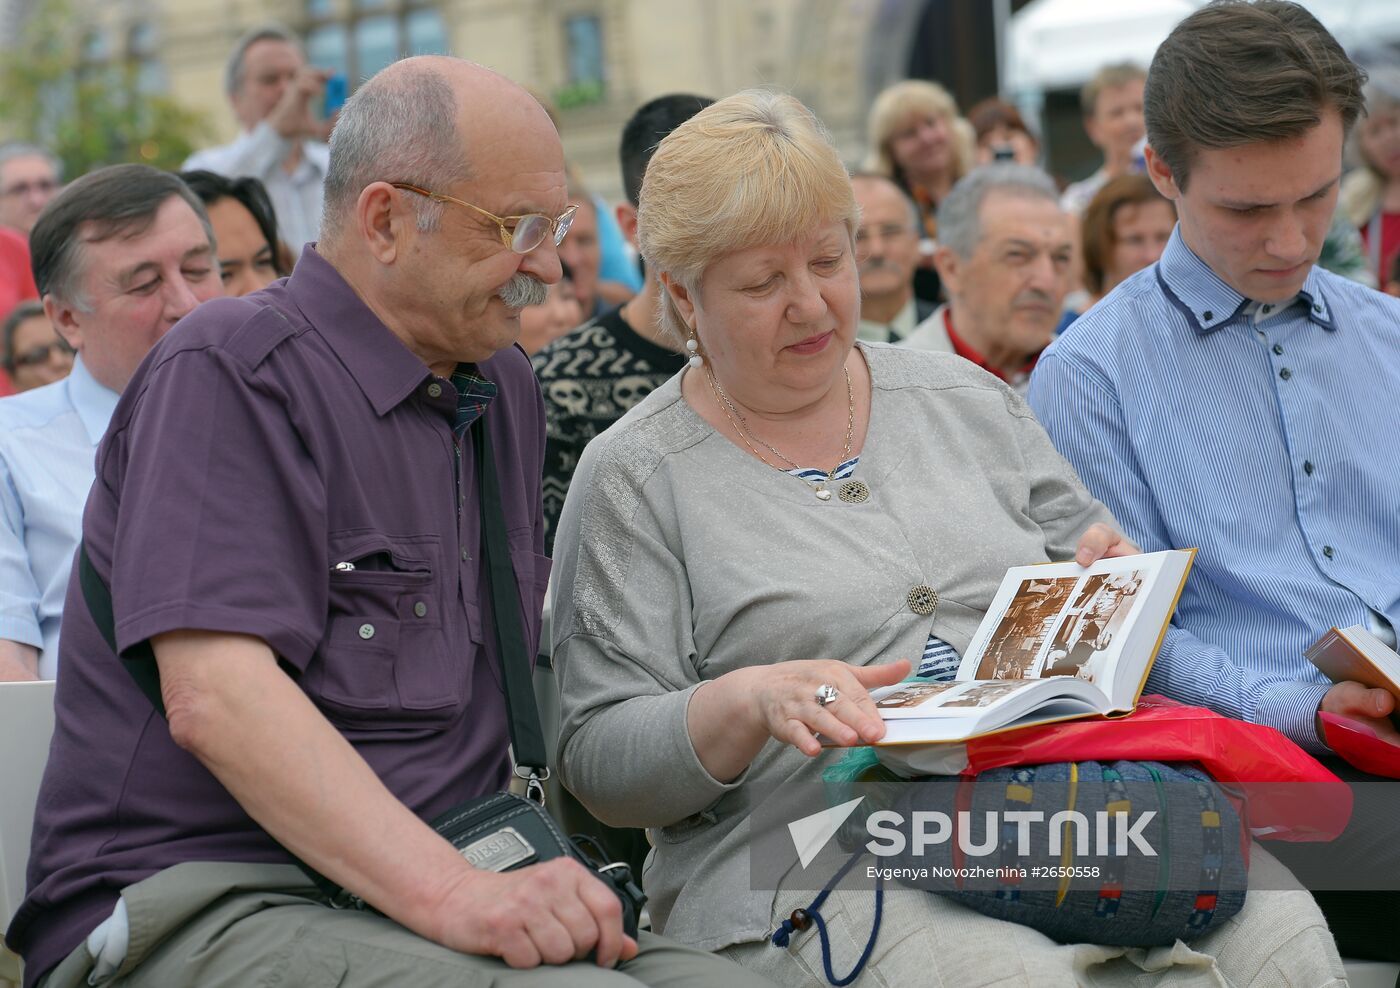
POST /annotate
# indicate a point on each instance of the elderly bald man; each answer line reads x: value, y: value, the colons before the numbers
x: 286, y: 511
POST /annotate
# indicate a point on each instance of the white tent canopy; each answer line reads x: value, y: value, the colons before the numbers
x: 1059, y: 44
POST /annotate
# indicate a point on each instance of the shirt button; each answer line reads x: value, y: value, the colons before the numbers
x: 1317, y: 308
x: 1285, y: 373
x: 1266, y: 309
x: 420, y: 609
x: 366, y: 631
x: 1207, y: 315
x: 1327, y: 551
x: 435, y: 390
x: 466, y: 556
x: 1308, y: 467
x: 1278, y: 350
x: 922, y: 600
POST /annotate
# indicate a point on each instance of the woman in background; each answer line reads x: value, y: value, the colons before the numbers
x: 918, y: 139
x: 34, y: 354
x: 560, y: 312
x: 1125, y: 229
x: 1002, y: 134
x: 245, y: 229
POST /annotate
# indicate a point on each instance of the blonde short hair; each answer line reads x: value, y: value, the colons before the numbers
x: 895, y: 105
x: 754, y: 169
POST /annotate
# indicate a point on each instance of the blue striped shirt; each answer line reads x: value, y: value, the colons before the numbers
x: 48, y: 440
x: 940, y: 660
x: 1266, y: 436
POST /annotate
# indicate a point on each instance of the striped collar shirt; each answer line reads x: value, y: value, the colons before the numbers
x: 48, y: 439
x: 1266, y: 435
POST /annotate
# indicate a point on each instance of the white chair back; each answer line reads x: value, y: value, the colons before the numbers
x: 26, y: 725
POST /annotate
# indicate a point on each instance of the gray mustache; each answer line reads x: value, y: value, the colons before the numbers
x: 523, y: 290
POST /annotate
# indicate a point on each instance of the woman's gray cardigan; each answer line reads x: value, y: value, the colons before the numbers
x: 680, y: 557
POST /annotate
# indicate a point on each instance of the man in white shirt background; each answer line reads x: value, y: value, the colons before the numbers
x: 120, y: 256
x: 277, y: 99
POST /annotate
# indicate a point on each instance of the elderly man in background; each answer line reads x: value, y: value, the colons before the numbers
x: 120, y: 256
x: 887, y: 251
x: 29, y: 178
x: 1004, y: 254
x: 289, y: 515
x: 274, y: 95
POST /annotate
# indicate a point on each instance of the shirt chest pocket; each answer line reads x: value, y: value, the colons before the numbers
x: 385, y: 661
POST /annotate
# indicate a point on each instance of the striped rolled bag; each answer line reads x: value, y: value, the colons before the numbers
x: 1128, y: 853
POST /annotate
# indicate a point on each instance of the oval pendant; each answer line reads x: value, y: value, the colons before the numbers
x: 823, y: 494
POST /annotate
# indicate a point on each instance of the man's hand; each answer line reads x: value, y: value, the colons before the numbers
x: 550, y: 913
x: 1100, y: 541
x: 1371, y: 707
x: 292, y: 117
x: 19, y: 663
x: 234, y: 708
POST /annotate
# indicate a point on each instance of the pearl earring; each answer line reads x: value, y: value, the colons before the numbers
x: 692, y: 346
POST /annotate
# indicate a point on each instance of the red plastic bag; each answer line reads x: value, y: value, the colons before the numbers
x: 1360, y: 745
x: 1283, y: 792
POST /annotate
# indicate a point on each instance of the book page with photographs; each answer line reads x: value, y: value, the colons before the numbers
x: 935, y: 712
x: 1062, y: 619
x: 910, y: 700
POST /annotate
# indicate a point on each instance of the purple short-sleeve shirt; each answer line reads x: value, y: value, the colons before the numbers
x: 264, y: 441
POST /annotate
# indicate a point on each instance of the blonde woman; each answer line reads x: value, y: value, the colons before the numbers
x: 918, y: 139
x: 795, y: 512
x: 1370, y: 197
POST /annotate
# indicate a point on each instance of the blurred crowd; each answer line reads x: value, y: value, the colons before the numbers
x: 1050, y: 428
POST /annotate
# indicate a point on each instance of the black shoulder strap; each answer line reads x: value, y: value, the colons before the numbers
x: 523, y: 716
x: 139, y: 660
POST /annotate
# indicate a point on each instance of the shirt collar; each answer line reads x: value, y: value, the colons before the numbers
x: 963, y: 349
x: 1210, y: 304
x: 94, y: 402
x: 385, y: 370
x: 898, y: 328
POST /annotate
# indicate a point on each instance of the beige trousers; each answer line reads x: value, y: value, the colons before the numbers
x: 211, y: 925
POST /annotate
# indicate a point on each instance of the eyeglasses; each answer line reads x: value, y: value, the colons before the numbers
x: 521, y: 234
x: 40, y: 186
x: 884, y: 232
x: 40, y: 354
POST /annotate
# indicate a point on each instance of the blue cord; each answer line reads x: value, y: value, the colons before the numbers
x: 798, y: 922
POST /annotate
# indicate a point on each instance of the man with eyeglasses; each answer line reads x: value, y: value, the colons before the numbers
x: 887, y: 250
x: 29, y: 178
x: 288, y: 513
x: 119, y: 256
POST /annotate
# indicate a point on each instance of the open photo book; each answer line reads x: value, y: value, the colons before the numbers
x: 1059, y: 641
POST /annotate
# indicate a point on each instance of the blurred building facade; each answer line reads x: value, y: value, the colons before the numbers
x: 594, y: 60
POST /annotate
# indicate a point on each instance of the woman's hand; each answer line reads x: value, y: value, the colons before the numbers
x: 1100, y: 541
x: 785, y: 701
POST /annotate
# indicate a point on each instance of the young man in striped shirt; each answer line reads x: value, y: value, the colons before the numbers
x: 1239, y: 398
